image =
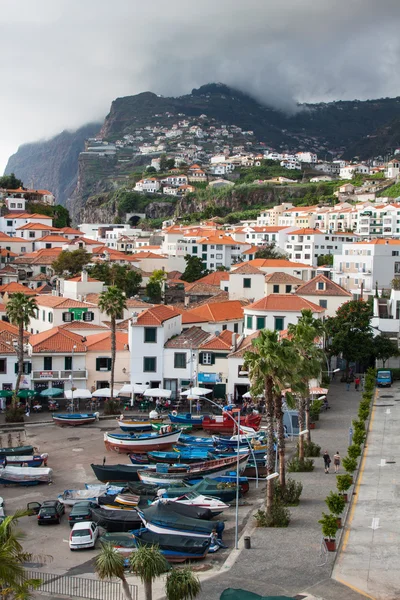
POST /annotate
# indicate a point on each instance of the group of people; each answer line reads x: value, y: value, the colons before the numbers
x: 327, y: 461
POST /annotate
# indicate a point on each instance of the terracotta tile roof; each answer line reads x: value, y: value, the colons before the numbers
x: 201, y: 289
x: 307, y: 231
x: 86, y: 241
x: 13, y: 288
x: 9, y: 332
x: 223, y: 341
x: 273, y: 263
x: 102, y: 341
x: 191, y: 338
x: 310, y: 288
x: 232, y: 310
x: 82, y: 325
x: 52, y: 238
x: 145, y: 254
x: 279, y: 277
x: 46, y: 256
x: 8, y: 269
x: 57, y: 340
x: 7, y: 253
x: 79, y: 278
x: 247, y: 269
x: 39, y: 277
x: 44, y: 289
x: 284, y: 303
x: 225, y: 240
x: 60, y: 302
x: 38, y: 226
x: 137, y: 303
x: 381, y: 242
x: 244, y: 345
x: 174, y: 275
x: 156, y: 315
x: 71, y: 230
x: 215, y: 278
x: 10, y: 240
x: 251, y: 250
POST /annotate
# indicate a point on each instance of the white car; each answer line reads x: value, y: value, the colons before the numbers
x: 83, y: 535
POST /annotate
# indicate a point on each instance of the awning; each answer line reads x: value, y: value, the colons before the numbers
x: 317, y: 391
x: 79, y: 394
x: 157, y: 393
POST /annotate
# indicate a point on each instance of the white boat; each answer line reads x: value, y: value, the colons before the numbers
x: 200, y: 501
x: 25, y: 475
x: 71, y: 497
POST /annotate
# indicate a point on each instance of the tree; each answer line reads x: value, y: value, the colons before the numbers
x: 61, y: 216
x: 396, y: 283
x: 123, y: 276
x: 20, y: 310
x: 150, y: 170
x: 10, y: 182
x: 350, y: 333
x: 268, y: 369
x: 112, y: 302
x: 70, y: 263
x: 325, y: 259
x: 110, y: 563
x: 385, y: 348
x: 194, y: 270
x: 154, y: 292
x: 13, y: 580
x: 148, y: 563
x: 270, y: 251
x: 181, y: 584
x: 163, y: 163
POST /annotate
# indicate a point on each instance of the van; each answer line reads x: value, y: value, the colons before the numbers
x: 384, y: 378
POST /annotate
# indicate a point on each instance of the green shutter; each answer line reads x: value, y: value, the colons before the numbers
x: 260, y: 322
x: 212, y: 359
x: 97, y: 364
x: 109, y: 363
x: 16, y: 367
x: 29, y: 367
x: 249, y: 322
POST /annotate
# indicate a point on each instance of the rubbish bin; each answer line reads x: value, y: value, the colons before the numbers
x: 247, y: 543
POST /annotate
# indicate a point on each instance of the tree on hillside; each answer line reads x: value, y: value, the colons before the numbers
x: 270, y: 251
x: 70, y: 263
x: 112, y: 302
x: 10, y: 182
x: 349, y: 332
x: 194, y: 270
x: 385, y: 348
x: 20, y: 309
x: 61, y: 216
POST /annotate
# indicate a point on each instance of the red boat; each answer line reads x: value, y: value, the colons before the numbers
x: 225, y: 425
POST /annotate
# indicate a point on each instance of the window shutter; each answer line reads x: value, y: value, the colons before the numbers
x: 91, y: 316
x: 109, y: 363
x: 213, y: 359
x: 63, y: 317
x: 97, y: 364
x: 16, y: 368
x: 201, y: 359
x: 29, y: 367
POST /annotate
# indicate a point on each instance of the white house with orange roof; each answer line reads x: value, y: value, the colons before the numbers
x: 11, y: 222
x: 219, y: 250
x: 216, y: 316
x: 54, y: 311
x: 79, y: 286
x: 277, y: 312
x: 271, y: 265
x: 246, y: 282
x: 306, y: 245
x: 151, y: 185
x: 213, y: 362
x: 98, y: 360
x: 51, y: 240
x: 258, y: 235
x: 34, y: 231
x: 148, y: 333
x: 324, y: 292
x: 367, y: 264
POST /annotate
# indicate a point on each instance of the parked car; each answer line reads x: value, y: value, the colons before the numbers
x: 50, y: 511
x: 81, y: 511
x: 83, y: 535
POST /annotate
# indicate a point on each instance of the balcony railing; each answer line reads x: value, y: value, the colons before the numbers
x: 59, y: 375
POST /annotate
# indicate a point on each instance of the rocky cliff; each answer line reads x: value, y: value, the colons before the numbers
x: 52, y: 164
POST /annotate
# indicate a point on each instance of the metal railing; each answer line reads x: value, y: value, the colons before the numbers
x: 80, y: 587
x: 57, y: 375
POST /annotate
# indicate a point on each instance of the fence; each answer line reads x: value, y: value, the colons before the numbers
x: 80, y: 587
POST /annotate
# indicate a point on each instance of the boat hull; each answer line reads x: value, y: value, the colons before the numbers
x: 74, y: 420
x: 17, y: 451
x: 26, y: 461
x: 140, y: 445
x: 25, y: 475
x: 226, y: 426
x: 194, y: 422
x: 137, y: 425
x: 117, y: 473
x: 116, y: 520
x: 173, y: 548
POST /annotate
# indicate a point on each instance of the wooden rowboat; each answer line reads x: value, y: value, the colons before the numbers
x: 75, y: 419
x: 124, y: 443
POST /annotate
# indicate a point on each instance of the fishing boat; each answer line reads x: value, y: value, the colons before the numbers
x: 116, y: 520
x: 196, y: 441
x: 162, y: 427
x: 160, y: 519
x: 196, y: 422
x: 17, y: 451
x: 117, y: 473
x: 187, y: 510
x: 33, y: 460
x: 147, y: 442
x: 75, y: 419
x: 232, y: 441
x: 224, y: 491
x: 25, y: 475
x: 175, y: 548
x: 121, y: 500
x: 191, y: 455
x: 225, y: 425
x: 211, y: 468
x: 71, y: 497
x: 213, y: 505
x: 252, y: 471
x: 134, y: 425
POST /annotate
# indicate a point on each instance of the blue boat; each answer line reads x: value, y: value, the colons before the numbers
x: 196, y: 442
x: 75, y: 419
x: 34, y: 460
x: 186, y: 419
x: 188, y: 456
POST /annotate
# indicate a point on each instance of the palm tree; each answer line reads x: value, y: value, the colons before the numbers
x: 13, y: 580
x: 304, y: 335
x: 181, y: 584
x: 110, y: 563
x: 148, y: 563
x: 269, y: 364
x: 20, y: 310
x: 112, y: 302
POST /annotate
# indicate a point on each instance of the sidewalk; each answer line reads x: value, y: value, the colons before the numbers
x: 289, y: 561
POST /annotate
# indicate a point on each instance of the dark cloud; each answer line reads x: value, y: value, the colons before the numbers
x: 64, y: 61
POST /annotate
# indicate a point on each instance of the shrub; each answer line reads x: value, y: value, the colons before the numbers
x: 311, y: 449
x: 280, y: 516
x: 335, y: 503
x: 358, y: 425
x: 343, y: 482
x: 329, y: 526
x: 354, y: 451
x: 290, y: 496
x: 112, y: 407
x: 363, y: 413
x: 359, y: 437
x: 300, y: 466
x: 349, y: 464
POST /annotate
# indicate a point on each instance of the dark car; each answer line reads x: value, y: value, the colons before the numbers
x: 50, y: 511
x: 81, y: 511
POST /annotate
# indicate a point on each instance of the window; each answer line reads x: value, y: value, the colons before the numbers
x: 3, y: 366
x: 247, y: 282
x: 260, y: 322
x: 204, y: 247
x: 88, y: 316
x: 48, y: 363
x: 321, y: 285
x: 12, y: 205
x: 150, y: 335
x: 323, y: 303
x: 149, y: 364
x: 279, y: 323
x: 224, y: 327
x: 212, y: 247
x: 275, y: 289
x: 67, y: 317
x: 236, y: 327
x: 219, y: 246
x: 23, y: 249
x: 43, y: 270
x: 194, y: 250
x: 288, y: 289
x: 9, y: 223
x: 50, y: 317
x: 31, y: 234
x: 68, y: 363
x: 180, y: 360
x: 48, y: 246
x: 249, y: 322
x: 103, y: 363
x: 207, y: 358
x: 395, y: 253
x: 219, y: 256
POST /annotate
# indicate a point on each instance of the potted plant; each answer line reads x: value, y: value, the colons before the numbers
x: 329, y: 529
x: 315, y: 409
x: 343, y: 483
x: 349, y: 465
x: 336, y: 503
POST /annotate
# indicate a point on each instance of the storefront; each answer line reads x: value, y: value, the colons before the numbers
x: 213, y: 382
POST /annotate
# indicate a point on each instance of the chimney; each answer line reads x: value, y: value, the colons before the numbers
x: 134, y: 318
x: 84, y: 276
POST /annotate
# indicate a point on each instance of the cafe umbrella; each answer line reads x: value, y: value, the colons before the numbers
x: 50, y: 392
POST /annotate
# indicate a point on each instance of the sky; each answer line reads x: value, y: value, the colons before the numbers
x: 62, y: 62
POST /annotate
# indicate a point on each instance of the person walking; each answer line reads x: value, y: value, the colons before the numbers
x: 336, y: 461
x: 357, y: 382
x: 327, y: 461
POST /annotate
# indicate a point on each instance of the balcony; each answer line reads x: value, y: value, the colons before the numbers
x: 59, y: 375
